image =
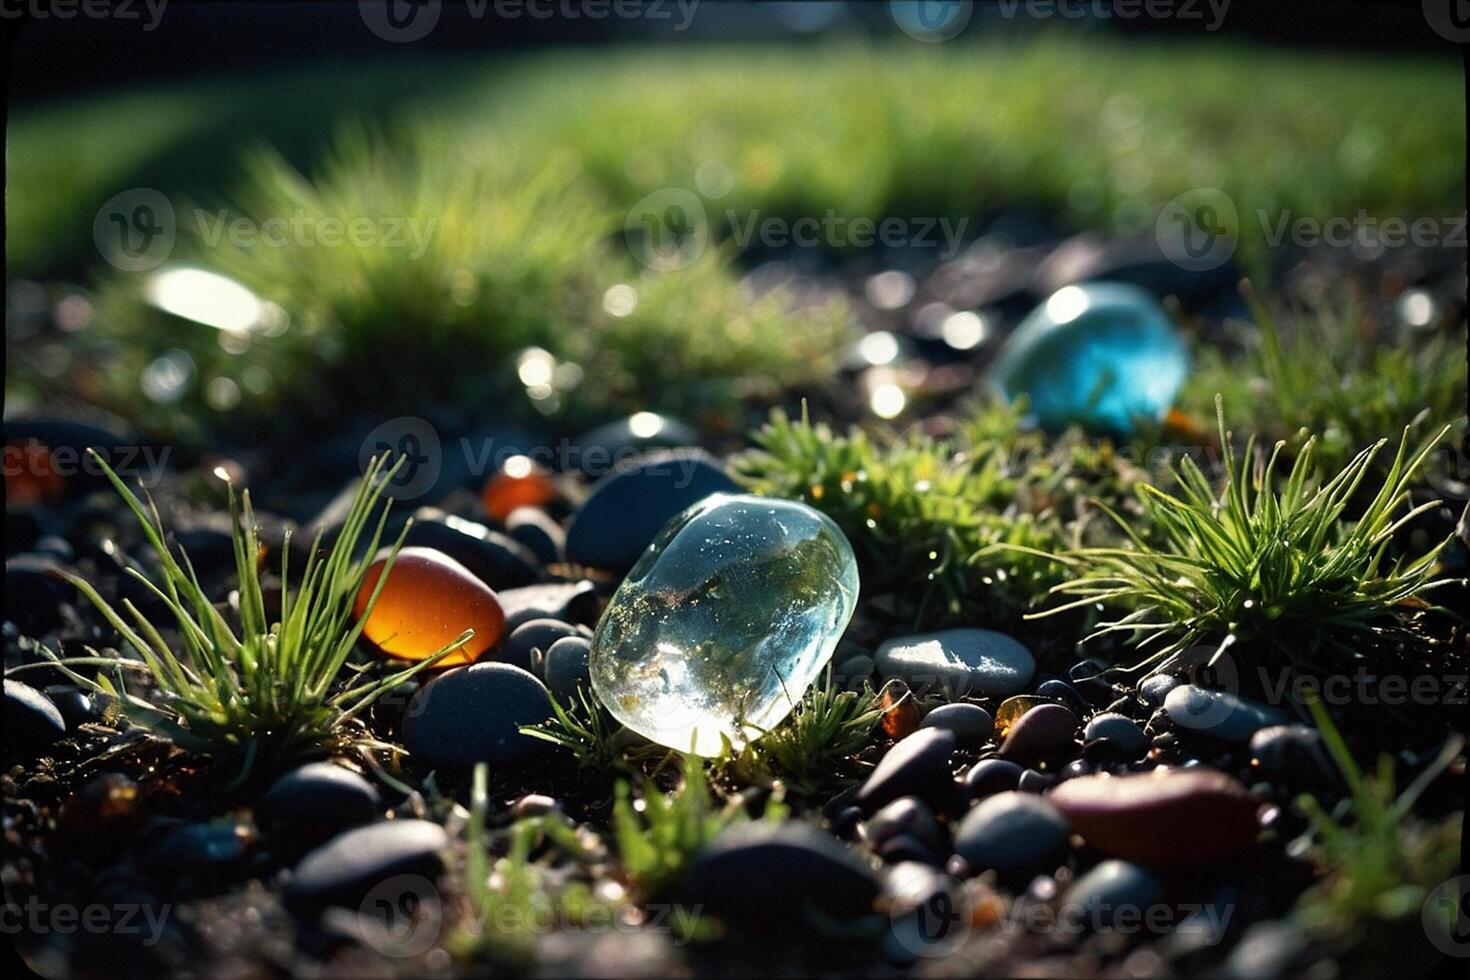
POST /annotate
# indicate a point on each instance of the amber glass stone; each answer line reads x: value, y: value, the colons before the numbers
x: 518, y: 484
x: 32, y: 477
x: 428, y: 601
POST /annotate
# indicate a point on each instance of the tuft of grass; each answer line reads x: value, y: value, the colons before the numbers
x: 1382, y: 865
x: 512, y: 901
x: 658, y: 835
x: 813, y: 748
x: 469, y: 260
x: 1282, y: 570
x: 589, y: 732
x: 1329, y: 373
x: 933, y: 520
x: 268, y: 693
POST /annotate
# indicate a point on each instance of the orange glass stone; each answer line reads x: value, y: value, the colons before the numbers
x: 428, y: 601
x: 31, y: 476
x: 519, y: 484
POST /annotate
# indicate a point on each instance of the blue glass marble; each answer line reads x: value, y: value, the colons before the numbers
x: 724, y: 622
x: 1099, y: 355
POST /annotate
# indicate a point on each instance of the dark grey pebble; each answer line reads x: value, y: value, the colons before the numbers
x: 344, y: 869
x: 990, y: 776
x: 1293, y: 754
x: 763, y: 874
x: 1036, y: 782
x: 474, y: 714
x: 957, y: 662
x: 905, y: 815
x: 33, y: 594
x: 1156, y: 687
x: 565, y: 667
x: 925, y: 909
x: 627, y: 508
x: 1016, y: 834
x: 32, y: 723
x: 1219, y: 714
x: 1112, y: 891
x: 573, y: 602
x: 916, y: 766
x: 971, y: 724
x: 321, y: 793
x: 536, y: 530
x: 197, y: 848
x: 497, y: 560
x: 1041, y: 733
x: 77, y: 706
x: 1065, y: 693
x: 527, y: 644
x: 645, y: 431
x: 1119, y: 732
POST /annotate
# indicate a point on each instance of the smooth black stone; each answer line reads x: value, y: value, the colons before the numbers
x: 924, y: 907
x: 613, y: 439
x: 767, y: 875
x: 321, y: 793
x: 474, y: 714
x: 344, y: 869
x: 572, y: 602
x: 971, y: 724
x: 1065, y: 693
x: 907, y: 815
x: 627, y: 508
x: 1119, y: 732
x: 1075, y: 768
x: 1036, y: 782
x: 990, y: 776
x: 55, y: 546
x: 566, y: 667
x: 197, y: 848
x: 497, y: 560
x: 1016, y: 834
x: 76, y: 705
x: 1045, y: 731
x: 33, y: 594
x: 527, y: 644
x: 536, y: 530
x: 907, y: 847
x: 1294, y: 755
x: 1156, y: 687
x: 917, y: 766
x: 32, y: 723
x: 1112, y: 891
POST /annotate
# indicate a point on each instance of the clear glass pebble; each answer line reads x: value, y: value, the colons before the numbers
x: 724, y: 622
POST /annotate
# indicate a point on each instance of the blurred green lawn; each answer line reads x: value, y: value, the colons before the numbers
x: 1100, y: 132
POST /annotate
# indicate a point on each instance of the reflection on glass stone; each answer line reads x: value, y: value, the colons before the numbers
x: 1099, y: 355
x: 724, y: 622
